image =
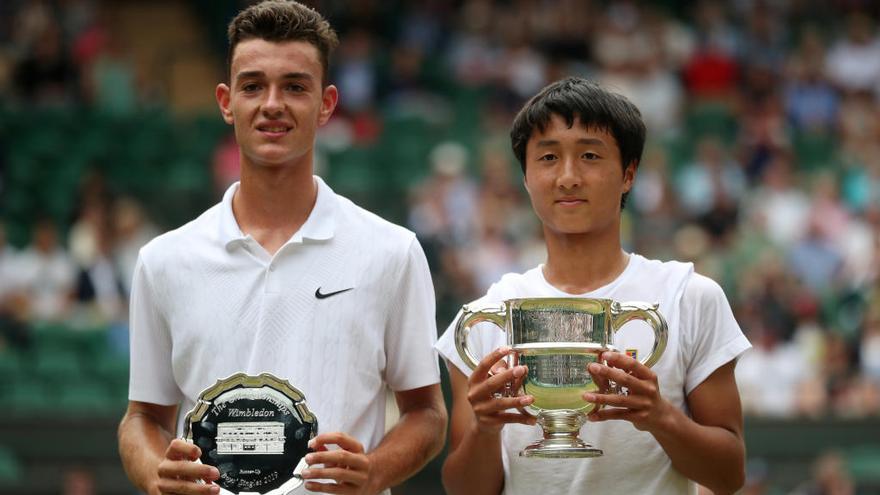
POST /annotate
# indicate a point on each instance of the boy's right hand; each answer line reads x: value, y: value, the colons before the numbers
x: 179, y: 474
x: 486, y: 387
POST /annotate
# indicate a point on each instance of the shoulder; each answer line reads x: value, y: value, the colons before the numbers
x: 702, y: 290
x: 173, y: 246
x: 658, y: 268
x: 371, y: 231
x: 668, y: 277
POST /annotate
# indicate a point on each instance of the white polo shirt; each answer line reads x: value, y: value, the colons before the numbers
x: 208, y: 301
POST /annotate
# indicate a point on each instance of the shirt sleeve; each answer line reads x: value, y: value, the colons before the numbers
x: 411, y: 361
x: 151, y: 377
x: 711, y: 333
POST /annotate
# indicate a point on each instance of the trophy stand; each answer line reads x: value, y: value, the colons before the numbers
x: 561, y: 440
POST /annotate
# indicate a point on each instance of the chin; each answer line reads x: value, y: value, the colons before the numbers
x: 569, y: 229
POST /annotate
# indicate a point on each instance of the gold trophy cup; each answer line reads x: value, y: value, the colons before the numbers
x: 557, y: 338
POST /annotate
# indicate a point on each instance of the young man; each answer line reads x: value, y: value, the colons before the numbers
x: 286, y: 277
x: 579, y: 146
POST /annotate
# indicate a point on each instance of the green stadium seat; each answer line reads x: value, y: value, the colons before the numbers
x: 711, y: 119
x: 815, y: 151
x: 864, y: 464
x: 11, y: 471
x: 84, y: 397
x: 57, y: 366
x: 29, y: 396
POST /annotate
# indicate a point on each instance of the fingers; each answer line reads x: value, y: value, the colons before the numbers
x: 336, y: 458
x: 501, y: 380
x: 496, y: 383
x: 496, y: 406
x: 628, y: 364
x: 633, y: 402
x: 640, y: 381
x: 338, y: 474
x: 184, y: 487
x: 343, y: 440
x: 180, y: 450
x: 179, y: 463
x: 610, y: 414
x: 187, y: 470
x: 348, y: 466
x: 498, y: 367
x: 487, y: 363
x: 601, y: 381
x: 329, y: 488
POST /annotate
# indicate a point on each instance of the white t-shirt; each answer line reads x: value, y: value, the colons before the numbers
x: 208, y: 302
x: 703, y: 335
x: 48, y: 279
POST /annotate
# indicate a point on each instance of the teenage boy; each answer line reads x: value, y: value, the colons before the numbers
x: 579, y: 146
x: 286, y: 277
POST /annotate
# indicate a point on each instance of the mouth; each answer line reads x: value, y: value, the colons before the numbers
x: 274, y: 130
x: 570, y: 202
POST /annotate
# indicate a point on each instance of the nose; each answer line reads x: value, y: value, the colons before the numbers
x: 569, y: 176
x: 274, y: 103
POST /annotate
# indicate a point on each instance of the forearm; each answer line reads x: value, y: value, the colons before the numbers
x: 142, y: 444
x: 710, y: 455
x: 416, y: 439
x: 474, y: 466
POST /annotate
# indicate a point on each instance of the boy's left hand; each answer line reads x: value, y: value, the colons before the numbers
x: 642, y: 405
x: 348, y: 466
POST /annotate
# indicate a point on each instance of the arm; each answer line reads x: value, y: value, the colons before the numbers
x: 707, y: 448
x: 415, y: 439
x: 474, y: 465
x: 155, y: 461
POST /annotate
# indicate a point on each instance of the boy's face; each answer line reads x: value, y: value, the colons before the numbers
x: 575, y: 179
x: 275, y: 100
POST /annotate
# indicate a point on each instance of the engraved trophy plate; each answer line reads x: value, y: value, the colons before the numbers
x: 558, y: 338
x: 255, y: 430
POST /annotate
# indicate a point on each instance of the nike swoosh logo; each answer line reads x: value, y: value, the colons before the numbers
x: 319, y: 295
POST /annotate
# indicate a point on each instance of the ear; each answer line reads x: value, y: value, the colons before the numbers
x: 222, y: 93
x: 329, y: 98
x: 629, y: 176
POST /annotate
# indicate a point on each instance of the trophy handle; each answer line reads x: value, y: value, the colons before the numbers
x: 628, y: 311
x: 471, y: 314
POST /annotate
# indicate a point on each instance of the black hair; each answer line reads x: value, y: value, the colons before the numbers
x: 575, y: 98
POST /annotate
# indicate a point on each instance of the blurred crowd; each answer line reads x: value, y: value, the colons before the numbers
x: 81, y: 279
x: 762, y: 166
x: 65, y: 54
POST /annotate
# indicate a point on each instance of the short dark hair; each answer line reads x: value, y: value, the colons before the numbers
x: 575, y: 98
x: 281, y: 20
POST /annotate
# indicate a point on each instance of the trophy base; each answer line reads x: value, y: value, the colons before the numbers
x: 555, y: 448
x: 561, y: 440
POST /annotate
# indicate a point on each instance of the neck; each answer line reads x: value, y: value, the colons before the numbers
x: 583, y: 262
x: 272, y: 203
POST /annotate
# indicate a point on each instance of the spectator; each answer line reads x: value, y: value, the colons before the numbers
x: 771, y: 357
x: 811, y: 102
x: 853, y: 62
x: 46, y: 74
x: 778, y: 205
x: 711, y: 179
x: 47, y: 274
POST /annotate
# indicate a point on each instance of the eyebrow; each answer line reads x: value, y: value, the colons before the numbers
x: 259, y: 73
x: 552, y: 142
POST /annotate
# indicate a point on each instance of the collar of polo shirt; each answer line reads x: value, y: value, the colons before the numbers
x: 320, y: 226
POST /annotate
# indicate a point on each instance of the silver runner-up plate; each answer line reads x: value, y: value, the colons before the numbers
x: 255, y: 430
